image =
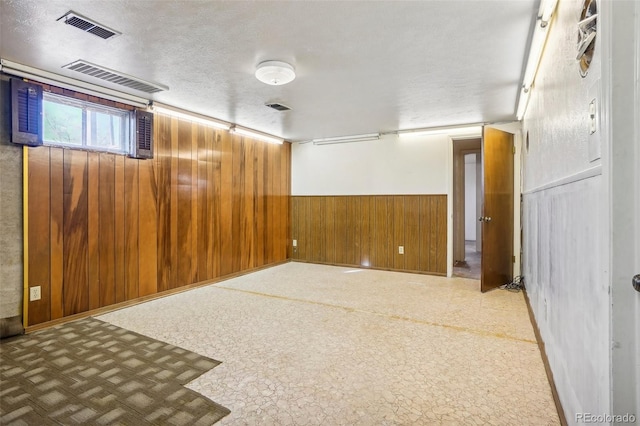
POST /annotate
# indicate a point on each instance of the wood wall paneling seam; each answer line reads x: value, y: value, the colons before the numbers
x: 417, y: 222
x: 113, y: 224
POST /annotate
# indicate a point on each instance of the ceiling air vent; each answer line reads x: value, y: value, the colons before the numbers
x: 87, y: 25
x: 278, y: 107
x: 113, y: 76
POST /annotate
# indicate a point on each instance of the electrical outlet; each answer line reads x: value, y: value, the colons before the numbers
x: 34, y: 293
x: 400, y: 249
x: 295, y: 243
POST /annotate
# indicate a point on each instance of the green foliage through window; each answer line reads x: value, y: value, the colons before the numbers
x: 72, y: 122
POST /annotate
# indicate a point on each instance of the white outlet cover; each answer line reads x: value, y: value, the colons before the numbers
x: 594, y: 147
x: 295, y: 243
x: 400, y: 249
x: 34, y: 293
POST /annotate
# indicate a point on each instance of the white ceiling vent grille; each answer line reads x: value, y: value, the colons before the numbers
x: 87, y: 25
x: 113, y: 76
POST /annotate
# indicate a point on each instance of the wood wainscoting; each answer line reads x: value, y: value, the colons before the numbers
x: 104, y: 228
x: 366, y: 231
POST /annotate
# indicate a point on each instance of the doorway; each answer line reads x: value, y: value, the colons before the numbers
x: 497, y: 212
x: 467, y: 203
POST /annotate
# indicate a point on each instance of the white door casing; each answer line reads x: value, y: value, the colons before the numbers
x: 621, y: 128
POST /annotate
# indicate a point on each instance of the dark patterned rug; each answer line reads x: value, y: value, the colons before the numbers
x: 92, y: 372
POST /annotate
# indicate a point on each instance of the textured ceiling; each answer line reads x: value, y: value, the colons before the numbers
x: 362, y: 67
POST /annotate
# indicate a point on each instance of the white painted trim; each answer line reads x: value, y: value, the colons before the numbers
x: 450, y: 209
x: 585, y: 174
x: 517, y: 190
x: 637, y: 152
x: 606, y: 46
x: 637, y: 194
x: 620, y: 37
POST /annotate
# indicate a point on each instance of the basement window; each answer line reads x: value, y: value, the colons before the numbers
x: 76, y: 123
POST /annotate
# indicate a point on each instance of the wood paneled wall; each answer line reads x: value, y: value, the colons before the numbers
x: 366, y: 231
x: 105, y: 228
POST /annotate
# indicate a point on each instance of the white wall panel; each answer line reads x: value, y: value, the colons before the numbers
x: 568, y: 294
x: 557, y: 117
x: 470, y: 213
x: 565, y: 222
x: 391, y: 165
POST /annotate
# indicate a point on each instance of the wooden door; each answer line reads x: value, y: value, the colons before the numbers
x: 497, y: 209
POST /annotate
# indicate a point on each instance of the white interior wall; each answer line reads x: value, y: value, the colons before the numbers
x: 411, y: 164
x: 565, y: 231
x: 389, y: 166
x: 470, y: 214
x: 415, y: 164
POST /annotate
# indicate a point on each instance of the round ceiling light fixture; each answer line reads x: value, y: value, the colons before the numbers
x: 275, y: 73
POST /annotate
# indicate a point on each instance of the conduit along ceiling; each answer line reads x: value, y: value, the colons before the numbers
x: 361, y: 67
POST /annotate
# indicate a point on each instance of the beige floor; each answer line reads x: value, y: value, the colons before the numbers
x: 309, y: 344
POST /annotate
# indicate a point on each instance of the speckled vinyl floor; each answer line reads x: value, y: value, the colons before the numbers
x: 306, y: 344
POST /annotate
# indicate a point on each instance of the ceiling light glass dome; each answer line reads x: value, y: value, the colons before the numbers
x: 275, y: 73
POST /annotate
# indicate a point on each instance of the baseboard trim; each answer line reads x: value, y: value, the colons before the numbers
x: 545, y: 361
x: 133, y: 302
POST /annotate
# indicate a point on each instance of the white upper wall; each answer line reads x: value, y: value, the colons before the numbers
x: 391, y: 165
x: 557, y: 117
x: 564, y: 219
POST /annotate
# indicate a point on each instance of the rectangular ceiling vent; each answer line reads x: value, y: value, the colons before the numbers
x: 278, y: 107
x: 87, y: 25
x: 113, y: 76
